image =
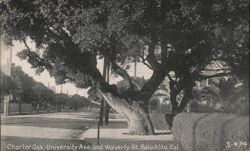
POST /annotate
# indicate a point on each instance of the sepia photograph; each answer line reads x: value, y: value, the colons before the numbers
x: 124, y: 75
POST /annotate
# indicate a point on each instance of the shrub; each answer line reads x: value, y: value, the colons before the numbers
x: 211, y: 132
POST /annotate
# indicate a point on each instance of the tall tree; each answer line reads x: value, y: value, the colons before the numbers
x: 26, y: 92
x: 106, y: 105
x: 43, y: 95
x: 71, y: 35
x: 60, y: 100
x: 7, y: 84
x: 77, y: 102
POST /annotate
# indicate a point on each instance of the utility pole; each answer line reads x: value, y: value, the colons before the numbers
x: 61, y: 88
x: 102, y: 100
x: 101, y: 114
x: 106, y: 105
x: 135, y: 68
x: 6, y: 59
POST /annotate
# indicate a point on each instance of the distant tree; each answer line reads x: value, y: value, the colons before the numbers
x: 26, y: 84
x: 11, y: 85
x: 18, y: 91
x: 60, y: 100
x: 93, y: 94
x: 77, y: 102
x: 7, y: 84
x: 43, y: 95
x: 85, y: 101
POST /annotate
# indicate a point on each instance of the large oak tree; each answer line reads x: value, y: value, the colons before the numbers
x: 70, y: 35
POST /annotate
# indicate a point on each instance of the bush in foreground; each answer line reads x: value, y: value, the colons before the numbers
x: 211, y: 132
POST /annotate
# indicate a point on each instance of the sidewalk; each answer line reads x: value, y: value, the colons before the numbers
x: 113, y: 138
x: 121, y: 136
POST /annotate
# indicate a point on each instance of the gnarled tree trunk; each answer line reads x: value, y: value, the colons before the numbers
x: 177, y: 108
x: 137, y: 116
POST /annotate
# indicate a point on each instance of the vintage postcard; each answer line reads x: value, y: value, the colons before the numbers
x: 124, y: 75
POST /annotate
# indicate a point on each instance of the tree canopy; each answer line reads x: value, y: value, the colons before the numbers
x: 179, y: 36
x: 7, y: 84
x: 76, y: 102
x: 26, y: 83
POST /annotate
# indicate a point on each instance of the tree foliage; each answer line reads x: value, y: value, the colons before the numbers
x: 77, y: 102
x: 71, y: 35
x: 226, y: 95
x: 24, y: 88
x: 7, y: 84
x: 61, y: 98
x: 26, y: 83
x: 43, y: 94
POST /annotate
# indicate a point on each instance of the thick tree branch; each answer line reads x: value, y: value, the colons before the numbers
x: 159, y: 74
x: 151, y: 55
x: 59, y: 34
x: 186, y: 98
x: 26, y: 45
x: 219, y: 70
x: 37, y: 58
x: 151, y: 85
x: 144, y: 62
x: 111, y: 56
x: 119, y: 70
x: 204, y: 76
x: 164, y: 53
x: 101, y: 82
x: 185, y: 84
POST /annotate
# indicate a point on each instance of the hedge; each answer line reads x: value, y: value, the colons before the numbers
x: 211, y: 132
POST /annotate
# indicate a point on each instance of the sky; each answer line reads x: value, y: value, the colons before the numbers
x: 43, y: 77
x: 69, y: 88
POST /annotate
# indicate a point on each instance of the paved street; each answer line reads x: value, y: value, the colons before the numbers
x: 75, y: 131
x: 42, y: 129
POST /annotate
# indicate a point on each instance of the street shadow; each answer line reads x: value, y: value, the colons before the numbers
x: 113, y: 125
x: 49, y: 123
x: 163, y: 133
x: 65, y: 123
x: 156, y: 133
